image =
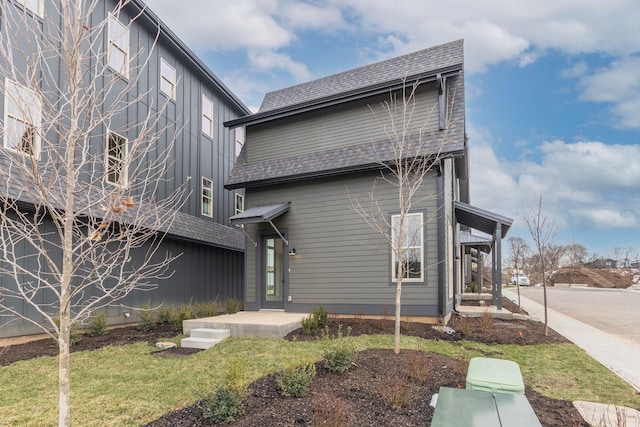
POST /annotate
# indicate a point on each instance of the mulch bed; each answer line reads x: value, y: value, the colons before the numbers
x: 358, y: 393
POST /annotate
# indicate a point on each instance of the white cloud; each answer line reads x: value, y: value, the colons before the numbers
x: 619, y: 85
x: 209, y: 26
x: 264, y: 60
x: 583, y: 184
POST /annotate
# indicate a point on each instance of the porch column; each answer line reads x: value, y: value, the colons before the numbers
x: 480, y: 272
x: 497, y: 266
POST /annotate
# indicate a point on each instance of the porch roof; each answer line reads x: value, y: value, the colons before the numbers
x: 480, y: 219
x: 257, y: 214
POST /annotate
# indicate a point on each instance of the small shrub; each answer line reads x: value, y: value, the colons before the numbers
x: 321, y: 315
x: 472, y: 287
x: 295, y: 381
x: 339, y: 352
x: 486, y: 321
x: 417, y: 369
x: 395, y: 392
x: 223, y: 404
x: 309, y: 325
x: 97, y: 326
x: 463, y: 325
x: 331, y: 411
x: 386, y: 318
x: 147, y: 321
x: 461, y: 365
x: 231, y: 305
x: 206, y: 309
x: 166, y: 315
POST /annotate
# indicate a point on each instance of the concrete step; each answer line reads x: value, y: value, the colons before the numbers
x: 210, y: 333
x: 205, y: 338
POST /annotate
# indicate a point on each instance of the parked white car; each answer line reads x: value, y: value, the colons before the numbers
x: 520, y: 279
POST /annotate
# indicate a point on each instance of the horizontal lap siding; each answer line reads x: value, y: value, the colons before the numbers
x: 340, y: 259
x: 358, y: 122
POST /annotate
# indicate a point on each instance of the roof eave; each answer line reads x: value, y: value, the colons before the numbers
x: 322, y: 173
x: 342, y: 97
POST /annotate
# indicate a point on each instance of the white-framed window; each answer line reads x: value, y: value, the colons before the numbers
x: 239, y: 199
x: 35, y: 6
x: 167, y: 79
x: 118, y: 49
x: 116, y: 159
x: 411, y: 234
x: 239, y: 133
x: 207, y: 116
x: 22, y: 117
x: 207, y: 197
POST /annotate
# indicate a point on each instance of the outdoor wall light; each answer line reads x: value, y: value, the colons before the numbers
x: 292, y: 252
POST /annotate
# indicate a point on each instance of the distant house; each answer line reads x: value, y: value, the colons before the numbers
x: 602, y: 263
x: 308, y: 152
x: 212, y: 253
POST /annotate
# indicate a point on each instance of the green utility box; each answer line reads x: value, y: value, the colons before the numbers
x: 496, y: 375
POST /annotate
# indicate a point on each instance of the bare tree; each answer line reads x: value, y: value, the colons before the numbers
x: 519, y: 250
x: 81, y: 222
x: 577, y: 254
x: 407, y: 156
x: 543, y: 232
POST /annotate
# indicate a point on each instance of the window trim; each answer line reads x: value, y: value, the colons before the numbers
x: 238, y: 197
x: 20, y: 115
x: 39, y: 11
x: 164, y: 78
x: 112, y: 43
x: 206, y: 184
x: 208, y: 115
x: 124, y: 170
x: 421, y: 232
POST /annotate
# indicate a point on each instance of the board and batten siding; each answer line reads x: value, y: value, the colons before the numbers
x: 201, y: 274
x: 340, y: 261
x: 354, y: 123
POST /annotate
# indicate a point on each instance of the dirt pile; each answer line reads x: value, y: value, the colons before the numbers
x: 593, y: 277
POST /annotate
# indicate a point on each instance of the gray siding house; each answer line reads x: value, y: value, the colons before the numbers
x: 201, y: 159
x: 314, y: 148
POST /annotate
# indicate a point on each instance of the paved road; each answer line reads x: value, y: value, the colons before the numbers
x: 601, y: 322
x: 616, y: 312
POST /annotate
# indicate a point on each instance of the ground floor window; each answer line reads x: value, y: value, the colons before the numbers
x: 407, y: 254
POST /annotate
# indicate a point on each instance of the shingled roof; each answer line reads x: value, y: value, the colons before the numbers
x: 422, y: 66
x: 442, y: 57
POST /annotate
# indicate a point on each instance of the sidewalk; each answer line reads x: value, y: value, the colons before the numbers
x: 617, y: 354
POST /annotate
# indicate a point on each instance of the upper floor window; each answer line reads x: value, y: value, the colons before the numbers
x: 207, y: 197
x: 239, y: 140
x: 117, y: 173
x: 35, y: 6
x: 207, y: 116
x: 22, y: 116
x: 410, y: 234
x: 118, y: 50
x: 167, y: 79
x: 239, y: 203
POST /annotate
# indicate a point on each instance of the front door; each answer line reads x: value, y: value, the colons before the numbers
x: 272, y: 281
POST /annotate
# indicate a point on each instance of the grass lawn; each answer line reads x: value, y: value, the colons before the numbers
x: 126, y: 385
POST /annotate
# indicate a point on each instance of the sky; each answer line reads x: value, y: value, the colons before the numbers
x: 552, y: 89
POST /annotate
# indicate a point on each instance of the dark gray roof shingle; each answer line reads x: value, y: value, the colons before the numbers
x: 413, y: 64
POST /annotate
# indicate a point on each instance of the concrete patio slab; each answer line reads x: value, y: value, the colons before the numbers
x: 263, y: 323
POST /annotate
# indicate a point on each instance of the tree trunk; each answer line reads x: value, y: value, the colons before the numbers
x: 396, y: 348
x: 64, y: 385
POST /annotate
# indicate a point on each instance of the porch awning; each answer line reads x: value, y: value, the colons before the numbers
x: 257, y: 214
x: 480, y: 219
